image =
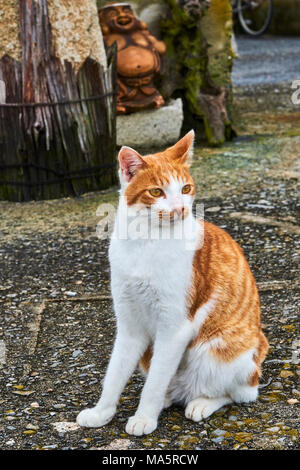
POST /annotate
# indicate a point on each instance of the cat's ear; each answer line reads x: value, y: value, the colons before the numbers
x: 183, y: 149
x: 130, y: 163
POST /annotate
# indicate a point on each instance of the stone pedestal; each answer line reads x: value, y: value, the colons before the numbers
x: 151, y: 129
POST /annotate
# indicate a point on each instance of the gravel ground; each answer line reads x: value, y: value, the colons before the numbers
x: 57, y: 323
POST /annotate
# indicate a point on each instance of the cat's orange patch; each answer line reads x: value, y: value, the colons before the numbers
x: 220, y: 266
x: 253, y: 380
x: 145, y: 360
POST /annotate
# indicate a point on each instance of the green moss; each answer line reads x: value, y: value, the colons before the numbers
x: 272, y: 397
x: 185, y: 47
x: 199, y: 52
x: 216, y: 26
x: 243, y: 437
x: 251, y: 422
x: 147, y: 443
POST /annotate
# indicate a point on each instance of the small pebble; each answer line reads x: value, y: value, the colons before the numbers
x: 213, y: 209
x: 286, y: 373
x: 273, y: 429
x: 70, y: 293
x: 93, y: 382
x: 175, y: 428
x: 10, y: 442
x: 55, y: 364
x: 276, y: 385
x: 219, y: 432
x: 77, y: 353
x: 65, y: 426
x: 32, y: 426
x: 232, y: 418
x: 218, y: 439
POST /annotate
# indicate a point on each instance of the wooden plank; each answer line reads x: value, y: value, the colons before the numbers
x: 2, y: 92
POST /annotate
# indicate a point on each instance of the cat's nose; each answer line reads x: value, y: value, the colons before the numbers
x: 178, y: 209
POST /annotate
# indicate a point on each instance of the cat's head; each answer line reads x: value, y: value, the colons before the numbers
x: 160, y: 182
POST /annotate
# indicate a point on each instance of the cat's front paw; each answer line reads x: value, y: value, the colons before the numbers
x: 95, y: 417
x: 138, y: 425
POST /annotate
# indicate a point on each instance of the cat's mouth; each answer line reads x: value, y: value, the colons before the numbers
x: 163, y: 217
x: 173, y: 216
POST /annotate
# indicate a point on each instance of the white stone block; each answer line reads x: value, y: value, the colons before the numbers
x: 153, y: 128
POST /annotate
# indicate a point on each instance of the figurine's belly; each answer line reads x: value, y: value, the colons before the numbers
x: 133, y: 61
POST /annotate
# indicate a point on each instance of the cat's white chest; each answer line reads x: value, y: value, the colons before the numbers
x: 157, y: 263
x: 154, y: 276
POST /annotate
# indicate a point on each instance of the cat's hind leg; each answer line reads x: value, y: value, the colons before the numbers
x: 244, y: 390
x: 202, y: 408
x: 168, y: 401
x: 212, y: 383
x: 244, y: 393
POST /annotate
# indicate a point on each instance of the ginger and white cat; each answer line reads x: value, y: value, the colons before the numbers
x: 188, y: 313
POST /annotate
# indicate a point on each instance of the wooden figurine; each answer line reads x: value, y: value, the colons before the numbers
x: 139, y: 57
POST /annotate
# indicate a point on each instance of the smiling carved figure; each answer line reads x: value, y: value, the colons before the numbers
x: 139, y: 57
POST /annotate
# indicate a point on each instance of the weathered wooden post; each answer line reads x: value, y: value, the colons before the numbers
x: 57, y: 124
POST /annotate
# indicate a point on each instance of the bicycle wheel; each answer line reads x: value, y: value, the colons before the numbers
x: 255, y: 16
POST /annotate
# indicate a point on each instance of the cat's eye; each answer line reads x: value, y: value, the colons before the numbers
x: 186, y: 189
x: 156, y: 192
